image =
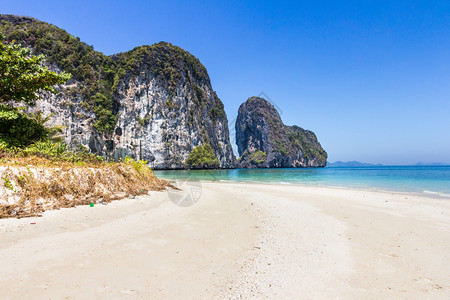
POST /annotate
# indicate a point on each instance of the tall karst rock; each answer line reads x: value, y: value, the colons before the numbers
x: 265, y: 142
x: 153, y: 102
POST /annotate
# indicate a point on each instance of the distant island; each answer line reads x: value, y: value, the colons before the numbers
x: 352, y: 163
x: 431, y: 164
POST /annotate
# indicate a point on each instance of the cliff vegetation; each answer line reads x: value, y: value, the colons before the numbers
x: 153, y: 103
x: 99, y: 75
x: 202, y: 157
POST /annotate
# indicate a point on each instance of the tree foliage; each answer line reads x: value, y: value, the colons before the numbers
x: 92, y: 69
x: 17, y: 129
x: 55, y: 132
x: 202, y: 157
x: 23, y: 76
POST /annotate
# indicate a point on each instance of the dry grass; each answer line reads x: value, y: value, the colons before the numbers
x: 31, y: 185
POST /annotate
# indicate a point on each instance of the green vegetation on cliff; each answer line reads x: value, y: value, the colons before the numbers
x: 163, y: 59
x: 99, y: 75
x: 202, y: 157
x: 307, y: 141
x: 92, y: 69
x: 17, y: 129
x: 23, y: 135
x: 22, y: 75
x: 255, y: 158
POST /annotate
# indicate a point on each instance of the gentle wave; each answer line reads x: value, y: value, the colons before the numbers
x: 433, y: 180
x: 430, y: 192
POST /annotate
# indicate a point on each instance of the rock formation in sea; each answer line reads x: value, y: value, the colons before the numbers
x: 154, y: 102
x: 263, y: 140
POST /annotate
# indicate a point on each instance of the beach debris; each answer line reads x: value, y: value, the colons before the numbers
x: 33, y: 223
x: 131, y: 196
x: 92, y: 204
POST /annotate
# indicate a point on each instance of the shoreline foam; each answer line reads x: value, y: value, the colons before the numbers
x: 424, y: 193
x: 403, y: 179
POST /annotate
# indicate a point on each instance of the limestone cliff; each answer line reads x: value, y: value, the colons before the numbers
x: 265, y: 142
x: 153, y: 102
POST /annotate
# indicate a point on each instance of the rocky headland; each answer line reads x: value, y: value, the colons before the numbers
x: 265, y: 142
x: 154, y: 102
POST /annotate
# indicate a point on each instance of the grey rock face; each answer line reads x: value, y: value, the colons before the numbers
x: 264, y: 141
x: 165, y: 133
x: 154, y: 102
x: 155, y: 123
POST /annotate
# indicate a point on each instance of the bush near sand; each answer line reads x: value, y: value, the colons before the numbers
x: 31, y: 185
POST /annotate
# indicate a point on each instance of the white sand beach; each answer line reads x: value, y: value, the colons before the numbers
x: 238, y: 241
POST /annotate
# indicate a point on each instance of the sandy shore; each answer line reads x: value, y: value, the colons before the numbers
x: 236, y: 241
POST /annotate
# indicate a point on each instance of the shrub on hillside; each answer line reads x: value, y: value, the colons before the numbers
x: 17, y: 129
x: 202, y: 157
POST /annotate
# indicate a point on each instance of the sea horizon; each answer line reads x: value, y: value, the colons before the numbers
x: 429, y: 180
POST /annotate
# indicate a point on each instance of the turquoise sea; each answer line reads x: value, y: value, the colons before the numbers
x: 432, y: 180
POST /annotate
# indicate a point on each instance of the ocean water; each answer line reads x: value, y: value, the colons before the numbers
x: 433, y: 180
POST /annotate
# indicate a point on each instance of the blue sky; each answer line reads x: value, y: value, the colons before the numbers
x: 370, y: 78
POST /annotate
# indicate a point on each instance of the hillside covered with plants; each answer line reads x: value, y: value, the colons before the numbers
x: 99, y: 74
x: 126, y: 104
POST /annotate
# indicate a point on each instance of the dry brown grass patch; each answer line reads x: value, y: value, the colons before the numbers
x: 31, y: 185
